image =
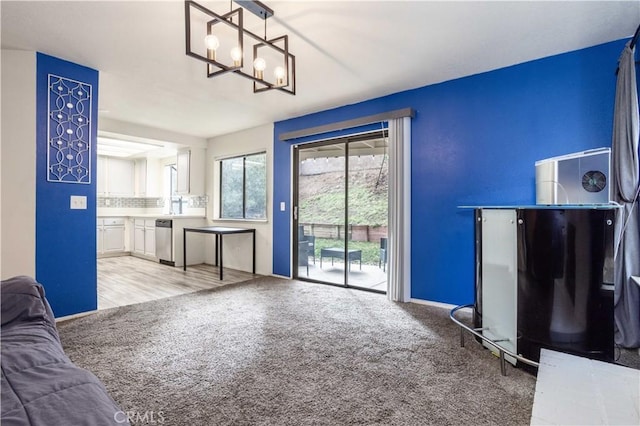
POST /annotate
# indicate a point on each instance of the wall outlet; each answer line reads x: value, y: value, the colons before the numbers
x: 78, y: 202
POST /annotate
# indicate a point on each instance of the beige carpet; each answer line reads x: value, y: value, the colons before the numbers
x: 278, y: 352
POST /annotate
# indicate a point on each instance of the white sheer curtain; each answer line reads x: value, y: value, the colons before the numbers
x: 399, y: 224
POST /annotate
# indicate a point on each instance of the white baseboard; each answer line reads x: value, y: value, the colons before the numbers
x: 74, y: 316
x: 113, y: 254
x: 438, y: 304
x: 284, y: 277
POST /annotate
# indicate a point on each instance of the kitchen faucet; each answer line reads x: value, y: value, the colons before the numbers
x: 176, y: 201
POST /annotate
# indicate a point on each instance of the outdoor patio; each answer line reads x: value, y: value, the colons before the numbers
x: 370, y: 277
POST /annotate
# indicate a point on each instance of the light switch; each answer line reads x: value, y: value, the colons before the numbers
x: 282, y: 206
x: 78, y: 202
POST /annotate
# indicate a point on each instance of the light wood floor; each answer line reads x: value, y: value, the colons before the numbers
x: 126, y: 280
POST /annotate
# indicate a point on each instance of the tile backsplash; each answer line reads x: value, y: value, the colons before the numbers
x: 130, y: 202
x: 198, y: 201
x: 148, y: 202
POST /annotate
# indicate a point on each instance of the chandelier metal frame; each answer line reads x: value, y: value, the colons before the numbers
x: 235, y: 20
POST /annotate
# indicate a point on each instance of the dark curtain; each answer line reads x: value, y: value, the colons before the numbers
x: 625, y: 174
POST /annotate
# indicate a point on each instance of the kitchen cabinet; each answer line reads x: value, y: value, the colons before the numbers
x: 113, y: 239
x: 99, y: 239
x: 148, y: 177
x: 150, y: 237
x: 120, y: 177
x: 190, y: 167
x: 116, y: 177
x: 138, y: 236
x: 110, y: 235
x: 140, y: 177
x: 144, y: 237
x: 183, y: 178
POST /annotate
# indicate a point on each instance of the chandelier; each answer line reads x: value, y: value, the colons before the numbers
x: 224, y: 44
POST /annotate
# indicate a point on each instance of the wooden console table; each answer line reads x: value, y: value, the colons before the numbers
x: 219, y: 232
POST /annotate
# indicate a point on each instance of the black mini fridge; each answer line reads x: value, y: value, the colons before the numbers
x: 558, y: 275
x: 565, y: 282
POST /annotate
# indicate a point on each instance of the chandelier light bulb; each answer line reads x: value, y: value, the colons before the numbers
x: 211, y: 42
x: 279, y: 73
x: 259, y: 65
x: 236, y: 56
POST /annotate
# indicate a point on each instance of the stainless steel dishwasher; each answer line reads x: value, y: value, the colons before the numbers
x: 164, y: 241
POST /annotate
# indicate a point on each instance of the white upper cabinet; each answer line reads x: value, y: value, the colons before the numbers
x: 183, y: 183
x: 119, y: 177
x: 140, y: 177
x: 144, y: 177
x: 148, y: 177
x: 116, y: 177
x: 190, y: 171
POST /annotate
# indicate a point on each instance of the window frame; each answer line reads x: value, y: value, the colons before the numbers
x: 244, y: 186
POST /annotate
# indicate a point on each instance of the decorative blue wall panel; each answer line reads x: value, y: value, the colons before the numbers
x: 69, y: 130
x: 65, y: 238
x: 475, y: 140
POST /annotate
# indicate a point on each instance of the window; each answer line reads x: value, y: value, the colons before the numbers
x: 174, y: 204
x: 243, y: 187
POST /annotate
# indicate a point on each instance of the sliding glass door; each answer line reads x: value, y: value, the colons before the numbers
x: 340, y: 212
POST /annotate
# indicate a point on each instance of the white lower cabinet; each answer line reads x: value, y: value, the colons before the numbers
x: 138, y: 237
x: 150, y: 237
x: 99, y: 239
x: 144, y: 237
x: 113, y: 239
x: 110, y: 235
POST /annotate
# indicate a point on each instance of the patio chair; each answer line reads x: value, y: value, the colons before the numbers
x: 308, y: 242
x: 311, y: 246
x: 382, y: 262
x: 303, y: 254
x: 306, y: 248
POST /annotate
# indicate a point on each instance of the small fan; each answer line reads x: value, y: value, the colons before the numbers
x: 594, y: 181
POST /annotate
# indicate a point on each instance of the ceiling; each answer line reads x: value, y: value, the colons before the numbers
x: 372, y: 145
x: 346, y: 51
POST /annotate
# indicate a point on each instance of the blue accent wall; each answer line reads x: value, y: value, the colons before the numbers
x: 65, y: 238
x: 475, y: 141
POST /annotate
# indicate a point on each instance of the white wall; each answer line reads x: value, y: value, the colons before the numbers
x: 138, y: 132
x: 237, y: 248
x: 18, y: 164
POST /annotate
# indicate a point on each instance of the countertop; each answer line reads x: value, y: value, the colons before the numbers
x: 155, y: 216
